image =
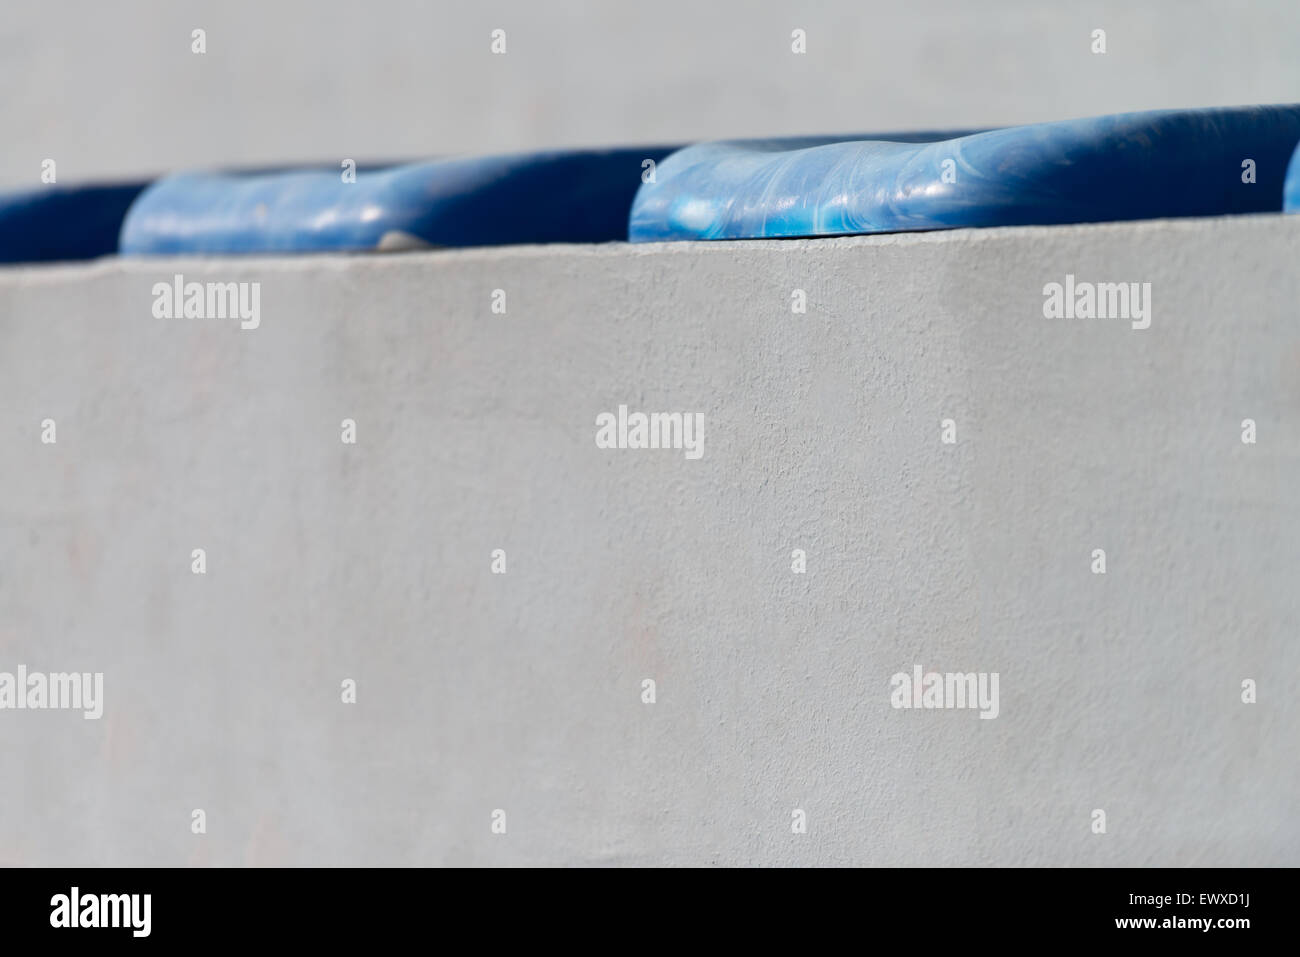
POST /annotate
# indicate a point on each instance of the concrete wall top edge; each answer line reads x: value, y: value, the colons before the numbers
x: 1229, y: 226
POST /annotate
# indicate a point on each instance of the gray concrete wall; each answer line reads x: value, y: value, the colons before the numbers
x: 112, y: 89
x: 522, y: 691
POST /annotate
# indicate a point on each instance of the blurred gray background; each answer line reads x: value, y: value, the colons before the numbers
x: 112, y: 89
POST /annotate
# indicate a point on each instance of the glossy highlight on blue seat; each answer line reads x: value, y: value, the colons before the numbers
x: 563, y: 196
x: 1291, y: 188
x: 53, y: 223
x: 1118, y: 167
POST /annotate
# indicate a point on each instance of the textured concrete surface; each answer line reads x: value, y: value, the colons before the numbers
x: 522, y: 692
x: 113, y: 89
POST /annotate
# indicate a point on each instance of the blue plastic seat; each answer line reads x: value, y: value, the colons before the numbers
x: 49, y: 223
x: 569, y: 196
x: 1120, y: 167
